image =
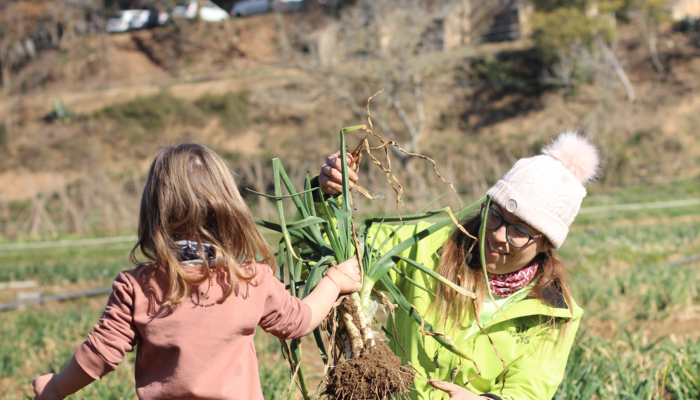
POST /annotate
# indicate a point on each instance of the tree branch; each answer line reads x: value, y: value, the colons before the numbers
x: 618, y: 69
x: 418, y: 95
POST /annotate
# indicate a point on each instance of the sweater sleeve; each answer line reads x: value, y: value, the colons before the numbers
x: 114, y: 335
x: 284, y: 315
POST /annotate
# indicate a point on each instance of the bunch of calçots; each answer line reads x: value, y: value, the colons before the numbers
x: 323, y: 234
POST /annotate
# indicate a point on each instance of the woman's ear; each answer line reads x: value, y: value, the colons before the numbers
x: 547, y: 244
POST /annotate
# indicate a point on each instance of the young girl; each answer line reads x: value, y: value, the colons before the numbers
x: 191, y: 312
x: 532, y: 207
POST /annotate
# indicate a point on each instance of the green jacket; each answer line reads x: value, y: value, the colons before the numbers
x: 535, y: 358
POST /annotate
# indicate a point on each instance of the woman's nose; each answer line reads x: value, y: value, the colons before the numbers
x: 500, y: 234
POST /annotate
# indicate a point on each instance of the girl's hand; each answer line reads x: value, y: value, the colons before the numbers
x: 343, y: 278
x: 331, y: 177
x: 347, y: 276
x: 455, y: 392
x: 45, y: 389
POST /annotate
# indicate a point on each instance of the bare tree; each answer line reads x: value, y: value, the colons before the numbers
x: 387, y: 44
x: 394, y: 45
x: 655, y: 12
x: 612, y: 59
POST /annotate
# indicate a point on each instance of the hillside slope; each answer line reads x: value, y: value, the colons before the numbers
x: 250, y: 107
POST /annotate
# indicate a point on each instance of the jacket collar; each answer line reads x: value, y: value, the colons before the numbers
x: 530, y: 307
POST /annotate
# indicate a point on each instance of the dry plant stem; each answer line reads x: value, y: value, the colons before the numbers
x: 399, y: 190
x: 396, y: 186
x: 369, y: 116
x: 461, y: 228
x: 363, y: 192
x: 388, y: 304
x: 331, y: 322
x: 288, y: 356
x: 296, y: 380
x: 364, y: 146
x: 396, y: 145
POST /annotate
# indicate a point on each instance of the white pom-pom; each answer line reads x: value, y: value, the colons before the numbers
x: 577, y: 154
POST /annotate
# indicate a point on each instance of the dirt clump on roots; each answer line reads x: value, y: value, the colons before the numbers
x: 376, y: 374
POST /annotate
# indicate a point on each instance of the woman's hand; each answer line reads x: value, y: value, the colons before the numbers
x: 346, y: 276
x: 455, y: 392
x: 331, y: 177
x: 45, y: 389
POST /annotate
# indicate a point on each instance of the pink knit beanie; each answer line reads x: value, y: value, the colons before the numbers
x: 546, y: 190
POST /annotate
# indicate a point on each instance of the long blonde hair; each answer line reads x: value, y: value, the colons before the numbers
x: 191, y: 194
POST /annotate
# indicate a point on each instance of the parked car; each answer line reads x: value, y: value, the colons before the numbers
x: 250, y: 7
x: 129, y: 20
x: 210, y: 12
x: 120, y: 23
x: 187, y: 9
x: 287, y: 5
x: 140, y: 20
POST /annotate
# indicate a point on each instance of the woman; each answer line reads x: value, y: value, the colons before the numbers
x: 532, y: 207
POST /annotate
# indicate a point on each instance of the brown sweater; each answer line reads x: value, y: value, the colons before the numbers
x: 201, y: 350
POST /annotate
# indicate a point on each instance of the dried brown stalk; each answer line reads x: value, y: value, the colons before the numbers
x: 364, y: 147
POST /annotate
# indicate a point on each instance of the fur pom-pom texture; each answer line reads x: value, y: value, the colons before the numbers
x: 578, y: 155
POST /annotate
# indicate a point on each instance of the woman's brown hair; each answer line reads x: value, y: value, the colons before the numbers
x: 464, y: 269
x: 191, y: 194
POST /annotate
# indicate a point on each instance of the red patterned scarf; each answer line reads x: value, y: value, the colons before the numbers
x: 507, y: 284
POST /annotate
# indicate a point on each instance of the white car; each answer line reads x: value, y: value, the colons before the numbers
x: 249, y: 7
x: 140, y: 19
x: 187, y: 10
x: 129, y: 20
x: 121, y: 22
x: 245, y: 8
x: 210, y: 12
x: 287, y: 5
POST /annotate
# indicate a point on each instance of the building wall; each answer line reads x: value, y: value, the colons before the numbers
x: 475, y: 21
x: 458, y: 26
